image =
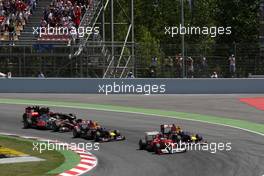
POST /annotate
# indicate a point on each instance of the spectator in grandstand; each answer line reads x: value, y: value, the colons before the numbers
x: 130, y: 75
x: 2, y: 23
x: 232, y: 65
x: 204, y: 63
x: 214, y: 75
x: 66, y: 14
x: 2, y: 11
x: 9, y: 75
x: 11, y: 30
x: 178, y: 65
x: 20, y: 6
x: 154, y: 62
x: 26, y: 14
x: 32, y: 5
x: 170, y: 62
x: 153, y: 73
x: 14, y: 13
x: 153, y: 66
x: 203, y: 67
x: 168, y: 66
x: 43, y: 23
x: 190, y: 68
x: 41, y: 75
x: 90, y: 3
x: 77, y: 16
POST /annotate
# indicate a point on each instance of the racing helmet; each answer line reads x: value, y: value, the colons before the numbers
x: 178, y: 129
x: 193, y: 138
x: 72, y: 117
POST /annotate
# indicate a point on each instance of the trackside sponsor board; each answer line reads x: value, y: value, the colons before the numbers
x: 132, y: 86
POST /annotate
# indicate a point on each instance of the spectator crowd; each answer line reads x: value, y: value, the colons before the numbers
x: 14, y: 15
x: 189, y: 67
x: 65, y: 14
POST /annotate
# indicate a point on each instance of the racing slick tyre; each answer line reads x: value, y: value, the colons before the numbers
x: 26, y: 124
x: 156, y: 149
x: 75, y: 133
x: 97, y: 136
x: 142, y: 144
x: 198, y: 138
x: 90, y: 135
x: 54, y: 127
x: 176, y: 138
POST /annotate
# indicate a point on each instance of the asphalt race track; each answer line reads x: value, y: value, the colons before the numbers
x: 124, y: 159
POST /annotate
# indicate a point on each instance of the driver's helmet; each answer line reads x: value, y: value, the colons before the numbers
x: 96, y: 124
x: 193, y: 138
x: 72, y: 117
x: 93, y: 124
x: 178, y: 129
x: 112, y: 133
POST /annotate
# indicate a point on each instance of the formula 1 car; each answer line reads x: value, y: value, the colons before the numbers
x: 63, y: 122
x: 37, y: 117
x: 91, y: 130
x: 85, y: 129
x: 188, y: 137
x: 103, y: 135
x: 175, y: 133
x: 155, y: 142
x: 146, y: 143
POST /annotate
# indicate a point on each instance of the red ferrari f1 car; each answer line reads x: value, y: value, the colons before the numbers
x: 170, y: 139
x: 155, y: 142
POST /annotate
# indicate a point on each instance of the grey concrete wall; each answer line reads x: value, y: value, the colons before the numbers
x: 140, y: 86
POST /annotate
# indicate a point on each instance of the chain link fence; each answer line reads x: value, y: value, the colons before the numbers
x: 199, y: 61
x: 56, y: 60
x: 150, y: 61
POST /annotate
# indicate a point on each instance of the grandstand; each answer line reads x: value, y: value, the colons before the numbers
x: 262, y: 27
x: 14, y: 16
x: 28, y: 49
x: 67, y: 54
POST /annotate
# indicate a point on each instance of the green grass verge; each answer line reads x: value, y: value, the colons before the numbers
x: 52, y: 165
x: 71, y: 160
